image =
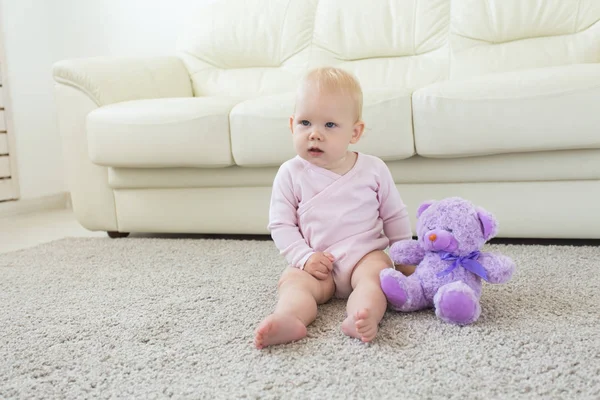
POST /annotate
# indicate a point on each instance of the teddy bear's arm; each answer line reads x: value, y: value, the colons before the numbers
x: 499, y: 267
x: 407, y: 252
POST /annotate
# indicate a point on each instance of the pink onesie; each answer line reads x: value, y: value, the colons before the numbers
x: 349, y: 216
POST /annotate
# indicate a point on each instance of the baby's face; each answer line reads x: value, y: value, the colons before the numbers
x: 324, y: 124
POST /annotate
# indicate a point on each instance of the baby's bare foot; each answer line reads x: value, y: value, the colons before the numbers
x: 366, y: 325
x: 361, y: 325
x: 278, y: 329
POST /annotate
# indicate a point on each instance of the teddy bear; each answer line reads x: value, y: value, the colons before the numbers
x: 450, y: 265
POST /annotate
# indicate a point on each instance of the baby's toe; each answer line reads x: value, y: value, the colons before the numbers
x: 369, y: 334
x: 361, y: 314
x: 361, y: 324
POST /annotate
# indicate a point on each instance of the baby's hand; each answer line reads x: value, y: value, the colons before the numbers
x: 319, y: 265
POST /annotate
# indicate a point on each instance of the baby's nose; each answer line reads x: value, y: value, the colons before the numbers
x: 432, y: 237
x: 316, y: 135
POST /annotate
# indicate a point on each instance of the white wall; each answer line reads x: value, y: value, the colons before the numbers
x: 38, y: 33
x: 119, y: 27
x: 28, y: 52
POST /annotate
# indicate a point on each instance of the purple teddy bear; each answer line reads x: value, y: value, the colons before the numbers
x: 450, y: 266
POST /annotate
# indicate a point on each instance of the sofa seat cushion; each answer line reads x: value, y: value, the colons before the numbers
x: 519, y: 167
x: 522, y: 111
x: 260, y: 134
x: 162, y: 133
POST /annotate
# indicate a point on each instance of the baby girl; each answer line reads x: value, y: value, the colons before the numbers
x: 333, y: 213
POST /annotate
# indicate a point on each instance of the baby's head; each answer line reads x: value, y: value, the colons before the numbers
x: 327, y: 117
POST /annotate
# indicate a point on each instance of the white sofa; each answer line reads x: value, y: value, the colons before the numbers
x: 498, y: 102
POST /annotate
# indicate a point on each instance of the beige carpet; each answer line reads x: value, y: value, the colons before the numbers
x: 157, y: 318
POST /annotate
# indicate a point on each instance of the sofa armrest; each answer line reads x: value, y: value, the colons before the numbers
x: 82, y: 86
x: 107, y: 80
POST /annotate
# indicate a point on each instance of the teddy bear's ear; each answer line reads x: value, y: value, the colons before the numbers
x: 489, y: 224
x: 424, y: 206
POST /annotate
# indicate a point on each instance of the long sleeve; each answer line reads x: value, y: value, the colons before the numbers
x: 283, y: 221
x: 392, y: 210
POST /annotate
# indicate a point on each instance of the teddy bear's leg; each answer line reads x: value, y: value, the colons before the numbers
x: 403, y: 293
x: 457, y: 303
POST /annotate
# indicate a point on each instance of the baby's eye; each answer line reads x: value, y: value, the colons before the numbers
x: 330, y: 124
x: 305, y: 122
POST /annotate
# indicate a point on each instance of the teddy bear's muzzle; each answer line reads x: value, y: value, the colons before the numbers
x: 440, y: 240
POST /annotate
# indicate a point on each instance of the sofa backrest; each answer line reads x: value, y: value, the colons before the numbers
x: 257, y: 47
x: 510, y: 35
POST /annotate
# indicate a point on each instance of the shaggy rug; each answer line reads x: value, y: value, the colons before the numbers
x: 159, y: 318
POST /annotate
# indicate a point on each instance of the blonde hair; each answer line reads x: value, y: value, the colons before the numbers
x: 337, y: 79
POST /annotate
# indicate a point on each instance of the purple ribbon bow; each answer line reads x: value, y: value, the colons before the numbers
x: 468, y: 262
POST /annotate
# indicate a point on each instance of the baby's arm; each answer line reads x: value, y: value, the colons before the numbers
x: 283, y: 221
x: 392, y: 210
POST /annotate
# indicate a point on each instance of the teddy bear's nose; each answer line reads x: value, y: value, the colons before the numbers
x: 432, y: 237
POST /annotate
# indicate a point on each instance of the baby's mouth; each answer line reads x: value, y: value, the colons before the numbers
x: 315, y: 150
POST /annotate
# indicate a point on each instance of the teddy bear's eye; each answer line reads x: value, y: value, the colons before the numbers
x: 449, y: 230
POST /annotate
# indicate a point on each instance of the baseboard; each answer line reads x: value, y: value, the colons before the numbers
x: 57, y: 201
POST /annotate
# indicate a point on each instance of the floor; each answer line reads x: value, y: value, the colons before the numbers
x: 28, y: 230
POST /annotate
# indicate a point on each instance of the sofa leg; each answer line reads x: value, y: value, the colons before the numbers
x: 117, y: 235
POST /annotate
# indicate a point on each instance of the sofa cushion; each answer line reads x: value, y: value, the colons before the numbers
x: 257, y: 47
x: 162, y: 133
x: 260, y: 134
x: 532, y: 110
x: 499, y: 36
x: 519, y: 167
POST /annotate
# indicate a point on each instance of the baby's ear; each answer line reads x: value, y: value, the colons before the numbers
x: 358, y: 130
x: 424, y: 206
x: 292, y: 124
x: 489, y: 224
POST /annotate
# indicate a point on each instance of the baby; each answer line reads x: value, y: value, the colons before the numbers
x: 333, y: 213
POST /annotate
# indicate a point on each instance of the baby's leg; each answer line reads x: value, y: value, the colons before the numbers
x: 299, y: 294
x: 367, y: 303
x: 407, y: 270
